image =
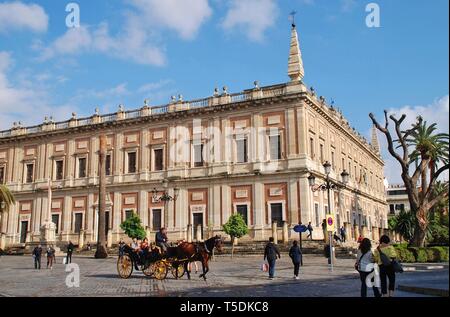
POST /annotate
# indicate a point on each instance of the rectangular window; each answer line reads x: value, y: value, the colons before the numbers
x: 332, y: 161
x: 392, y: 209
x: 128, y: 214
x: 156, y: 219
x: 275, y: 147
x: 316, y: 214
x: 108, y: 164
x: 321, y: 153
x: 158, y: 155
x: 241, y: 150
x: 277, y: 214
x: 131, y: 162
x: 78, y: 222
x: 29, y: 170
x: 81, y: 167
x: 55, y: 220
x: 242, y: 210
x: 2, y: 174
x: 198, y: 155
x: 311, y: 147
x: 59, y: 170
x: 350, y: 168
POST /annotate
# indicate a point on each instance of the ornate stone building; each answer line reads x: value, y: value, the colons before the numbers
x: 249, y: 153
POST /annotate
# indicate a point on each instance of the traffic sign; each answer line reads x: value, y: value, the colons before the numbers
x: 330, y: 223
x: 300, y: 228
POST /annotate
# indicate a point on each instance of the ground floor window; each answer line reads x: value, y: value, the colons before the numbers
x: 78, y: 222
x: 23, y: 231
x: 277, y: 213
x: 55, y: 220
x: 243, y: 211
x: 156, y: 219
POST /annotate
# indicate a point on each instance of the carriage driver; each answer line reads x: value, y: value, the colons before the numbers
x: 162, y: 240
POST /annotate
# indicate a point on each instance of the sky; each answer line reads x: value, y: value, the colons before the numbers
x: 125, y: 51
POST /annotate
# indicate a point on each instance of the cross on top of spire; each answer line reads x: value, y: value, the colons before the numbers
x: 292, y: 17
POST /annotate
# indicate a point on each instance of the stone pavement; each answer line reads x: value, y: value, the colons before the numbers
x: 227, y: 277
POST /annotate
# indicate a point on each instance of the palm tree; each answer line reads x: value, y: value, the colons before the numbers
x: 6, y: 196
x: 428, y: 145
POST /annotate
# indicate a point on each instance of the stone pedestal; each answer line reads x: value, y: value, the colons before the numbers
x: 81, y: 239
x: 285, y: 232
x: 109, y: 239
x: 2, y: 241
x: 275, y: 232
x: 356, y: 230
x: 189, y: 233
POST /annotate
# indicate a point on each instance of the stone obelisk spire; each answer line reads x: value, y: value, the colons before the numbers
x: 374, y: 141
x: 295, y: 68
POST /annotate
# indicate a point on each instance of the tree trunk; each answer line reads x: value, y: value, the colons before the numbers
x: 232, y: 247
x: 101, y: 251
x: 419, y: 237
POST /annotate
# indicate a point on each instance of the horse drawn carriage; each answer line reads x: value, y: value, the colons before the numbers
x: 153, y: 262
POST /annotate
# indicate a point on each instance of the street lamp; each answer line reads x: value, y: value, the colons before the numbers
x: 328, y: 186
x: 165, y: 198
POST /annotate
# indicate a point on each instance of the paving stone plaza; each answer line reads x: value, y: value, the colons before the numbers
x: 227, y: 278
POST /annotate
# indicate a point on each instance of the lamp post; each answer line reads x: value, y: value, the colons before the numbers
x: 165, y: 198
x: 328, y: 186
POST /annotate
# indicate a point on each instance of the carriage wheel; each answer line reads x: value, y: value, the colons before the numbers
x: 180, y: 271
x: 125, y: 266
x: 160, y: 270
x: 150, y: 270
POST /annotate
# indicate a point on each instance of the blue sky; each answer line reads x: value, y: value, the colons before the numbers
x: 129, y: 50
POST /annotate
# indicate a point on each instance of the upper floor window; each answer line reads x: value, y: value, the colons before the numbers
x: 333, y: 163
x: 108, y: 164
x: 311, y: 147
x: 82, y: 167
x: 321, y: 153
x: 241, y: 149
x: 131, y: 162
x: 59, y: 169
x: 2, y: 174
x: 158, y: 159
x: 29, y: 173
x: 198, y: 155
x: 275, y: 147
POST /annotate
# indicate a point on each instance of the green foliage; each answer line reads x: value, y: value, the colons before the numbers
x: 405, y: 223
x: 133, y: 228
x: 392, y: 223
x: 420, y: 254
x: 405, y: 255
x: 437, y: 232
x: 236, y: 226
x: 6, y: 196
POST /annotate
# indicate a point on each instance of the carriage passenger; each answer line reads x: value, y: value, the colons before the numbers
x: 162, y: 240
x: 143, y: 249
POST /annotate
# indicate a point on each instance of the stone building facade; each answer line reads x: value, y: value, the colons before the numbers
x: 249, y: 153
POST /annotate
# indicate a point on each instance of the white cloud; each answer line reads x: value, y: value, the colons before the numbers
x: 185, y: 17
x: 253, y: 17
x: 347, y: 5
x: 436, y: 112
x: 139, y: 39
x: 19, y: 16
x: 25, y: 102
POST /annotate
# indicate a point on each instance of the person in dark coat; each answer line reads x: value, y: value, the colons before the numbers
x: 296, y: 255
x: 310, y: 229
x: 70, y: 248
x: 37, y: 253
x: 162, y: 240
x: 270, y: 253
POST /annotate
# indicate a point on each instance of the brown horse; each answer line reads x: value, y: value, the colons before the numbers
x: 201, y: 251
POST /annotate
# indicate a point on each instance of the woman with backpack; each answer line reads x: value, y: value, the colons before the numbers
x: 364, y: 265
x: 385, y: 256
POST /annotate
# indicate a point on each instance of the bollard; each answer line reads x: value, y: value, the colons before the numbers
x: 81, y: 239
x: 109, y: 239
x: 275, y: 232
x: 285, y: 232
x: 189, y: 233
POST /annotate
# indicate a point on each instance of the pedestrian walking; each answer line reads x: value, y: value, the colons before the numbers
x: 336, y: 238
x: 324, y: 230
x: 70, y: 248
x: 271, y: 253
x: 296, y: 255
x: 37, y: 253
x: 50, y: 257
x: 365, y: 266
x: 343, y: 234
x: 384, y: 256
x: 310, y: 229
